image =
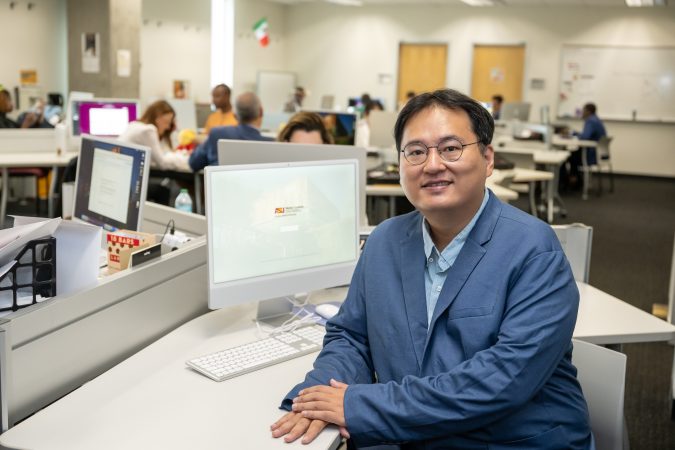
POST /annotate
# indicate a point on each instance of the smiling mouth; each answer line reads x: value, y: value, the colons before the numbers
x: 436, y: 184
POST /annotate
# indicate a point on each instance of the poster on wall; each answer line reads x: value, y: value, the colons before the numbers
x: 91, y: 48
x: 28, y: 77
x: 181, y: 89
x: 123, y: 63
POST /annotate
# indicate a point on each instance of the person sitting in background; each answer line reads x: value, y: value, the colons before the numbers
x: 497, y: 101
x: 593, y: 130
x: 223, y: 115
x: 295, y: 103
x: 29, y: 119
x: 249, y: 114
x: 305, y: 128
x: 37, y: 113
x: 153, y: 130
x: 363, y: 124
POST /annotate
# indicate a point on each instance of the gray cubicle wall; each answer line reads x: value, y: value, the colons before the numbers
x: 49, y: 349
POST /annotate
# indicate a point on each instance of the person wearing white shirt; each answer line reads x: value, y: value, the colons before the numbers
x: 153, y: 130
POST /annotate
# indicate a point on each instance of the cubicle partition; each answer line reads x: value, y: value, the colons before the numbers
x: 49, y: 349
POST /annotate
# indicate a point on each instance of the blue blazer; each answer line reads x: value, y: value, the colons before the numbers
x: 493, y: 371
x: 207, y: 153
x: 593, y: 130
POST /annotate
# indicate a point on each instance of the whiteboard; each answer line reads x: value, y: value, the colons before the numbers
x: 625, y: 83
x: 275, y: 89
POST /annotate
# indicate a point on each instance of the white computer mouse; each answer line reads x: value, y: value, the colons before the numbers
x: 327, y: 310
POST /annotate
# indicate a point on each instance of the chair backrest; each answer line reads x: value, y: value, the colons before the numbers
x: 603, y: 147
x: 576, y: 240
x: 520, y: 159
x: 602, y: 375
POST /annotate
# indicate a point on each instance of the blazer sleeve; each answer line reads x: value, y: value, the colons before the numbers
x: 539, y: 317
x: 345, y: 355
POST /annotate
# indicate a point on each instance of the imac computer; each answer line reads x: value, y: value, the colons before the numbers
x: 105, y: 117
x: 515, y: 111
x: 342, y: 126
x: 275, y: 230
x: 111, y: 184
x: 232, y: 152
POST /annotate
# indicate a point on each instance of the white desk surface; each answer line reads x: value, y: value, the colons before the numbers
x: 522, y: 175
x: 395, y: 190
x: 152, y: 400
x: 604, y: 319
x: 546, y: 157
x: 35, y: 159
x: 572, y: 142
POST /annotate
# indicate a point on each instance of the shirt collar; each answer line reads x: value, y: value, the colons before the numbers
x: 429, y: 246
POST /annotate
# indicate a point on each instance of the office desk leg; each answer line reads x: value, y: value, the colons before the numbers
x: 533, y: 203
x: 52, y: 190
x: 198, y: 193
x: 587, y: 173
x: 3, y: 197
x: 392, y: 206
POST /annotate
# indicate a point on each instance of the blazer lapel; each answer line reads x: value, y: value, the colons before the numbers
x: 412, y: 278
x: 469, y: 257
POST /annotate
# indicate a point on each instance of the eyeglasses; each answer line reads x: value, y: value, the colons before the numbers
x: 450, y: 150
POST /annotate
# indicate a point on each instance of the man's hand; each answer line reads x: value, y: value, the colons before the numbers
x: 293, y: 425
x: 324, y: 403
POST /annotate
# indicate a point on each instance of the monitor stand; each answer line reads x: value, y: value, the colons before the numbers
x: 274, y: 312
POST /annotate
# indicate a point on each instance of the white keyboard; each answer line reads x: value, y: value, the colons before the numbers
x: 253, y: 356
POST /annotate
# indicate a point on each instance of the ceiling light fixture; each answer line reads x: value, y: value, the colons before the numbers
x: 346, y: 2
x: 479, y: 2
x: 639, y: 3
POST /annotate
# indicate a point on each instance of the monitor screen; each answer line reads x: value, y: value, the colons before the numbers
x: 100, y: 117
x: 279, y: 229
x: 515, y: 111
x: 342, y: 126
x: 111, y: 183
x: 253, y: 152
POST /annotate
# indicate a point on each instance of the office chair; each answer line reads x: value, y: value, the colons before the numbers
x: 576, y: 240
x: 605, y: 161
x: 602, y: 375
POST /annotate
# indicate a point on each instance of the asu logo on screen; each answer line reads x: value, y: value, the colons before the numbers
x: 284, y: 211
x: 279, y: 211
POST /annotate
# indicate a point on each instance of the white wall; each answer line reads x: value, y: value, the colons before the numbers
x: 249, y: 56
x: 175, y: 45
x: 34, y: 39
x: 341, y: 50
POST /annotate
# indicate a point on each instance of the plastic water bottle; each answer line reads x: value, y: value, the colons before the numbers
x: 183, y: 201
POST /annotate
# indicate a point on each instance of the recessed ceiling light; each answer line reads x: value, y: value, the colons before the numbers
x: 346, y: 2
x: 479, y: 2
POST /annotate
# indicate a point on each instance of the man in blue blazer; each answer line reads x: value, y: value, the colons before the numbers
x: 456, y: 332
x: 249, y: 113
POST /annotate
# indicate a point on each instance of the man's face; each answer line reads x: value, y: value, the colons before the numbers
x: 221, y: 98
x: 436, y: 185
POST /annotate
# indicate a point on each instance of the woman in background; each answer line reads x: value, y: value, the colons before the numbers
x: 153, y: 130
x: 305, y: 128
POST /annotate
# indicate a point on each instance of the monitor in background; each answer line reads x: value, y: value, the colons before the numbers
x: 342, y: 126
x: 515, y: 111
x: 186, y: 113
x: 111, y: 183
x: 231, y: 152
x: 382, y: 128
x: 106, y: 117
x: 203, y: 112
x: 273, y: 122
x: 275, y: 230
x: 327, y: 101
x: 73, y: 111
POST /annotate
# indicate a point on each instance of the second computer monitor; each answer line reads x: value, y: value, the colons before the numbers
x: 111, y: 184
x: 342, y: 126
x: 106, y: 117
x: 278, y: 229
x: 253, y: 152
x: 515, y: 111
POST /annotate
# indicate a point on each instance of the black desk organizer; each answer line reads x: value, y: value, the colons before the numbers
x: 42, y: 267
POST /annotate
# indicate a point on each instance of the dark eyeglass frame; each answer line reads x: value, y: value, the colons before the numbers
x: 428, y: 148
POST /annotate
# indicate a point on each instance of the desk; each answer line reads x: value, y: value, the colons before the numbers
x: 529, y: 176
x: 37, y: 159
x: 152, y: 400
x: 395, y: 190
x: 551, y: 160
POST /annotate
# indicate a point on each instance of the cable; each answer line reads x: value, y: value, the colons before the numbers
x: 171, y: 224
x: 294, y: 322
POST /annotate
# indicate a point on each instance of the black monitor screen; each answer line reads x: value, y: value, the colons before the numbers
x: 342, y: 126
x: 111, y: 184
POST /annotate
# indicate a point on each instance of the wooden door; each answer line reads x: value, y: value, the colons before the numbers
x: 498, y: 69
x: 421, y: 68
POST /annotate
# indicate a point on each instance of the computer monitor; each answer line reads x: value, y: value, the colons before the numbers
x: 341, y: 125
x: 515, y: 111
x: 186, y: 113
x: 106, y: 117
x: 382, y: 128
x: 273, y: 122
x: 275, y: 230
x: 111, y: 183
x: 231, y: 152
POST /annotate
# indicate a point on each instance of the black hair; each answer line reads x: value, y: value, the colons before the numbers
x: 498, y: 98
x: 223, y: 85
x: 591, y: 108
x: 482, y: 123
